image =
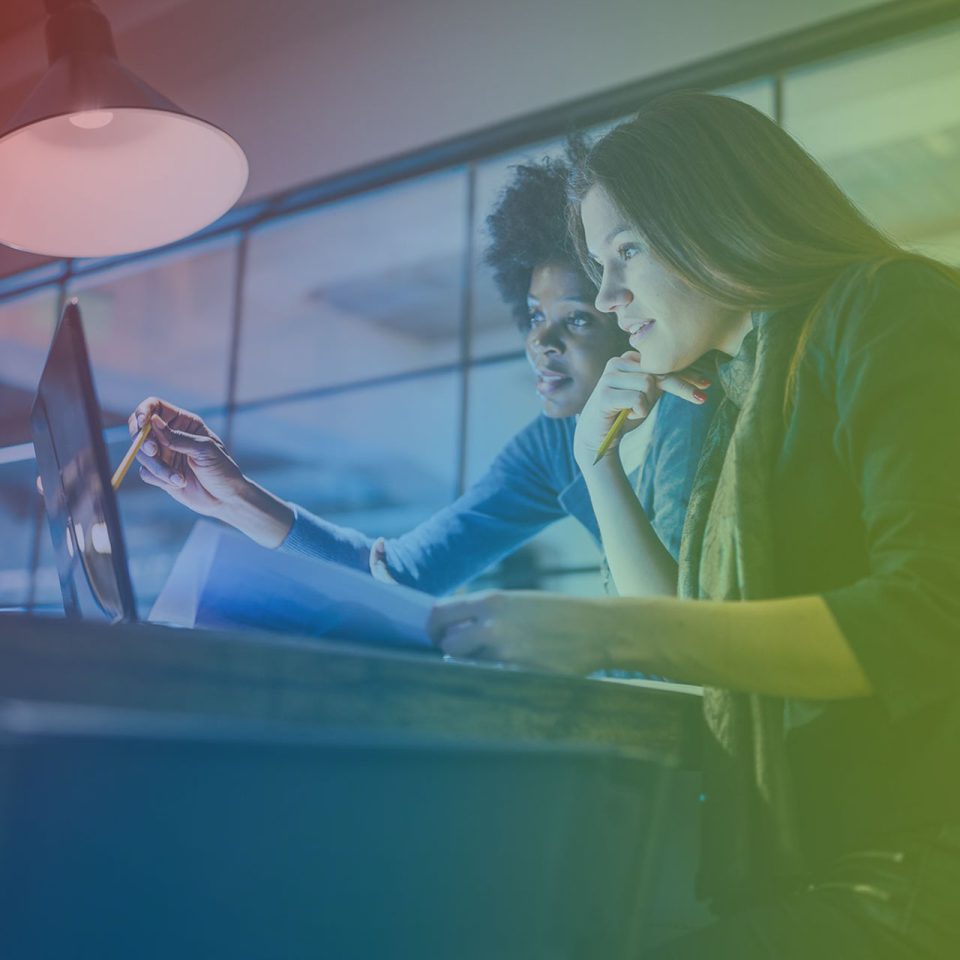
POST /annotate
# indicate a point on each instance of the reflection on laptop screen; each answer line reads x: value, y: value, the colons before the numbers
x: 80, y: 502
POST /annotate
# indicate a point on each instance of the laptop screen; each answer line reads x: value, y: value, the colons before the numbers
x: 74, y: 472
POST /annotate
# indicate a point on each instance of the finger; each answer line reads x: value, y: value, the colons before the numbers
x: 175, y: 417
x: 641, y: 408
x: 378, y: 561
x: 633, y: 359
x: 154, y: 481
x: 145, y: 408
x: 168, y: 473
x: 181, y: 441
x: 215, y: 437
x: 446, y: 613
x: 190, y: 423
x: 628, y: 363
x: 695, y: 379
x: 629, y: 394
x: 628, y: 376
x: 376, y: 555
x: 139, y: 416
x: 464, y: 639
x: 681, y: 388
x: 199, y: 430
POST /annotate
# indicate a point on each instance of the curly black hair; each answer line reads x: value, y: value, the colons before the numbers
x: 528, y: 227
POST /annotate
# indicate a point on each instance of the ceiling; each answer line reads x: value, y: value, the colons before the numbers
x: 19, y: 15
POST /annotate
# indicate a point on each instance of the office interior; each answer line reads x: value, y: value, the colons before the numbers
x: 339, y: 327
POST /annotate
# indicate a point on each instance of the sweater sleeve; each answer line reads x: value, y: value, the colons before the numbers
x: 670, y: 466
x: 515, y: 499
x: 312, y: 536
x: 894, y: 341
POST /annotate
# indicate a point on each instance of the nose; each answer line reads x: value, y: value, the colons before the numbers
x: 546, y: 338
x: 613, y: 296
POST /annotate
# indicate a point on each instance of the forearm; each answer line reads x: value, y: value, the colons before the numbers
x: 790, y: 647
x: 258, y: 513
x: 641, y: 566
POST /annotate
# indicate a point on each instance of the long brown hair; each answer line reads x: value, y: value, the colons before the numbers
x: 731, y: 203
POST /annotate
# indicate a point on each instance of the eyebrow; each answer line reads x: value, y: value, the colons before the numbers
x: 573, y: 298
x: 616, y: 231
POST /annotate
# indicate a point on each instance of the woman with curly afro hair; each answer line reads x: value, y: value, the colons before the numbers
x: 535, y: 480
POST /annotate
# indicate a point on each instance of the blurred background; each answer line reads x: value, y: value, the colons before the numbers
x: 339, y: 327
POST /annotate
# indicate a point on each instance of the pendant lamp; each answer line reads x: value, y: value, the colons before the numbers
x: 96, y: 163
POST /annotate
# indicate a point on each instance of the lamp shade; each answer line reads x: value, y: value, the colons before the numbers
x: 97, y: 163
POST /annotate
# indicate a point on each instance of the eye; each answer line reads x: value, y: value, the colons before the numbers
x: 534, y: 317
x: 580, y: 319
x: 627, y: 251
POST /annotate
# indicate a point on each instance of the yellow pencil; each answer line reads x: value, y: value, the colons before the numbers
x: 129, y: 458
x: 611, y: 435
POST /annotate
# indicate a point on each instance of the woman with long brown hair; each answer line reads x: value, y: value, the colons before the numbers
x: 820, y: 565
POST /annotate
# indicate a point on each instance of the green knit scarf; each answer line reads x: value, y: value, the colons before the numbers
x: 749, y: 844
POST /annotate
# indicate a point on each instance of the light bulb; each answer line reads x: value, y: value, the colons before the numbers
x: 91, y: 119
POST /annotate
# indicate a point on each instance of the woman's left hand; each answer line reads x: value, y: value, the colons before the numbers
x: 378, y: 562
x: 549, y: 632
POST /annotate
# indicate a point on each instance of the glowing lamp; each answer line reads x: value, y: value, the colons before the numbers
x: 96, y: 163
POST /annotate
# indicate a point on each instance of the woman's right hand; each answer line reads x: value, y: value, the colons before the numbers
x: 624, y: 385
x: 185, y: 458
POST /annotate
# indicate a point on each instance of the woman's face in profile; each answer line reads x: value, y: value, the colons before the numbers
x: 568, y: 341
x: 669, y: 323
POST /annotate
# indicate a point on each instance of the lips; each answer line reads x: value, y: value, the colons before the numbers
x: 550, y: 381
x: 638, y: 329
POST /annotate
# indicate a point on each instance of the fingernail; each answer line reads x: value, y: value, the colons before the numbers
x: 699, y: 396
x: 149, y: 448
x: 176, y: 479
x: 139, y: 419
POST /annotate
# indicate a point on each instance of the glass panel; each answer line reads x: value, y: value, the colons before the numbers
x: 886, y: 125
x: 494, y: 326
x: 46, y: 592
x: 17, y: 270
x: 18, y: 509
x: 26, y: 326
x: 542, y: 562
x: 379, y: 459
x: 758, y: 93
x: 502, y: 401
x: 365, y: 288
x: 162, y: 327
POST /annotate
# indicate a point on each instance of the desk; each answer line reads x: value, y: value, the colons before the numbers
x: 178, y: 793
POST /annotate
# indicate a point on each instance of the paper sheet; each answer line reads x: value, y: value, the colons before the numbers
x: 223, y: 579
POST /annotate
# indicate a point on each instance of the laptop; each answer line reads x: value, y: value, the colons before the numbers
x: 75, y: 476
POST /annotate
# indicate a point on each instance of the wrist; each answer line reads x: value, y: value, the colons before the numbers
x: 609, y: 465
x: 258, y: 513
